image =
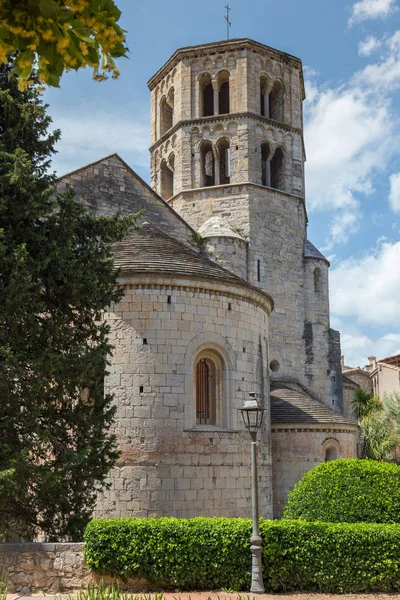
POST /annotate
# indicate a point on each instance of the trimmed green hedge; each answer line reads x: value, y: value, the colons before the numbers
x: 348, y: 490
x: 214, y: 553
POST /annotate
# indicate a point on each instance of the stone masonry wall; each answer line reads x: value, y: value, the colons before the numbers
x: 44, y: 567
x: 229, y: 252
x: 169, y: 465
x: 297, y: 449
x: 109, y: 186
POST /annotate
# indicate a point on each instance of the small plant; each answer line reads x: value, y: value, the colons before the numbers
x: 112, y: 592
x: 196, y: 239
x: 3, y: 586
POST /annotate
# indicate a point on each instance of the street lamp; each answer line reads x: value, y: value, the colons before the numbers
x: 253, y: 414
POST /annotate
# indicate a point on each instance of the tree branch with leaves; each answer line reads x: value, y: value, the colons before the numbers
x: 53, y: 36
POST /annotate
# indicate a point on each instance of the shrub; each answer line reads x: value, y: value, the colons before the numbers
x: 347, y: 490
x: 331, y: 557
x: 215, y: 553
x: 183, y: 553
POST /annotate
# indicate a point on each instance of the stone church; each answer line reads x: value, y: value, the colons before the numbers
x: 224, y: 293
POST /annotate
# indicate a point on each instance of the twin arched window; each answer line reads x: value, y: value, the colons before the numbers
x: 214, y: 96
x: 215, y: 163
x: 272, y: 100
x: 272, y: 167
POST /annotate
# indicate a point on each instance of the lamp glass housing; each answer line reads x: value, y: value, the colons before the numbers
x: 252, y: 414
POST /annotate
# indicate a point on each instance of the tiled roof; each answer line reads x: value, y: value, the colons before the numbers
x: 294, y: 406
x: 310, y: 251
x: 348, y: 380
x: 150, y: 250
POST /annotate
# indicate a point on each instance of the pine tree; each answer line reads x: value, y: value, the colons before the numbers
x: 56, y: 277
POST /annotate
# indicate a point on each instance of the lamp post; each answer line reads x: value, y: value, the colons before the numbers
x: 253, y: 414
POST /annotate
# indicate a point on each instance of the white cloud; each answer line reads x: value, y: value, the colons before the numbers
x: 394, y: 195
x: 370, y: 45
x: 385, y: 74
x: 367, y: 288
x: 348, y: 137
x: 87, y: 139
x: 356, y: 346
x: 343, y: 225
x: 371, y: 9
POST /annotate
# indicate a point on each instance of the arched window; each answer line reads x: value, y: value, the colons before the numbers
x: 206, y: 96
x: 276, y: 102
x: 207, y: 165
x: 224, y: 155
x: 166, y: 116
x: 317, y: 280
x: 264, y: 97
x: 209, y: 383
x: 171, y: 103
x: 277, y: 170
x: 167, y: 178
x: 265, y: 165
x: 331, y: 453
x: 223, y: 95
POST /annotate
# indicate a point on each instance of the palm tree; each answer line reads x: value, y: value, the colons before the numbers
x: 379, y: 424
x: 364, y: 403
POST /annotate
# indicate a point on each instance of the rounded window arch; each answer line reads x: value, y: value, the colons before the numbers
x: 331, y: 453
x: 265, y: 164
x: 264, y: 96
x: 317, y: 280
x: 167, y: 177
x: 277, y: 169
x: 223, y: 93
x: 277, y: 101
x: 209, y: 377
x: 224, y: 157
x: 206, y: 95
x: 207, y: 163
x: 166, y: 115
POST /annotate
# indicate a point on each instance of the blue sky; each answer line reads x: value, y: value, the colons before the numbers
x: 351, y: 56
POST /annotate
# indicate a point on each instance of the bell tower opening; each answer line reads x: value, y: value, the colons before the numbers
x: 207, y: 165
x: 206, y: 96
x: 223, y: 95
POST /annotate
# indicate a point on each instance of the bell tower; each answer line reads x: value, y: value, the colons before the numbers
x: 227, y: 143
x: 226, y: 113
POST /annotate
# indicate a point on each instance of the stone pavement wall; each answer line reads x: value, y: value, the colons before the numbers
x: 45, y: 567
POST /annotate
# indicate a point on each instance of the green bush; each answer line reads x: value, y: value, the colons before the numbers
x: 331, y: 557
x: 347, y: 491
x: 215, y: 553
x: 183, y: 553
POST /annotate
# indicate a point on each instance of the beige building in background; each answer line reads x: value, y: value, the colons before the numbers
x: 224, y: 293
x: 380, y: 377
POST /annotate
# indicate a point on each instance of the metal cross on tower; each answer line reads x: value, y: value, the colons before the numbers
x: 228, y: 23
